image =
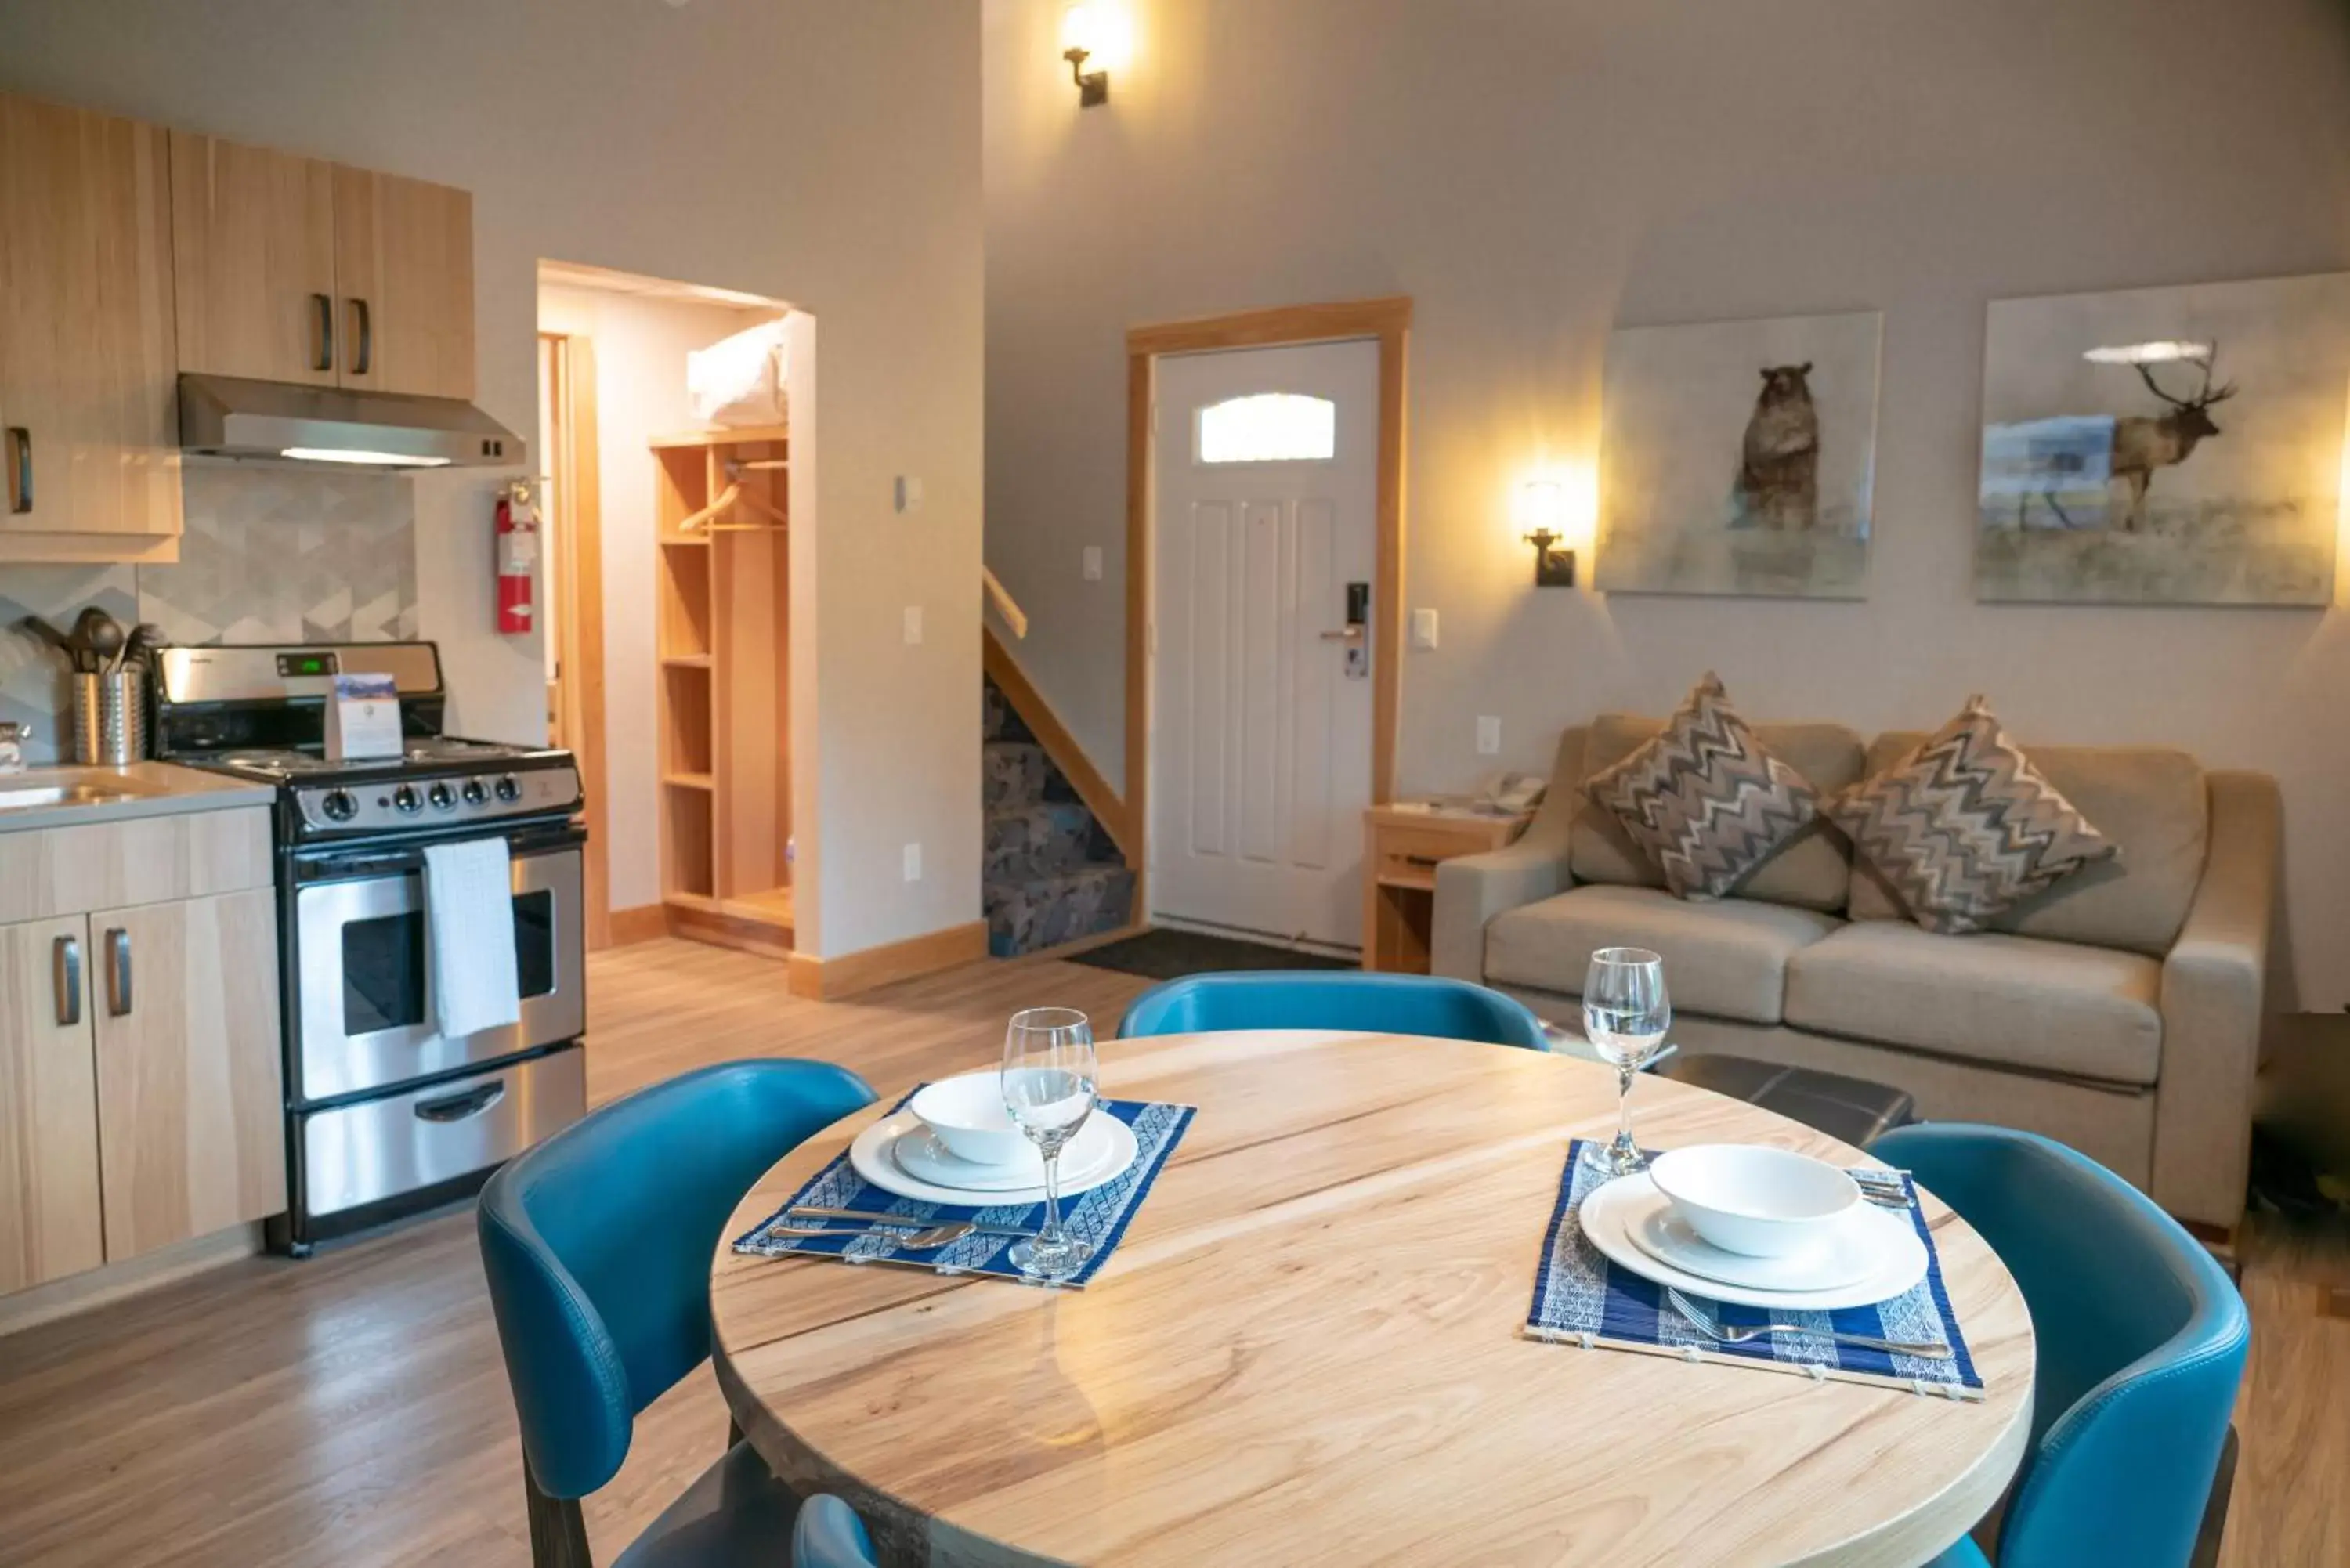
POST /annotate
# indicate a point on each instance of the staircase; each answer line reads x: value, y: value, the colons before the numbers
x: 1051, y: 875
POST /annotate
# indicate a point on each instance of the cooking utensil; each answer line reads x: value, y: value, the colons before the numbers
x: 145, y: 641
x: 1741, y: 1333
x: 47, y: 633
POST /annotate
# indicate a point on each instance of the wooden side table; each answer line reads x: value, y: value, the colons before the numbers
x: 1401, y: 851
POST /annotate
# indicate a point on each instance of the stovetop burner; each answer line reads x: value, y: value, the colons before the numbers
x: 437, y: 750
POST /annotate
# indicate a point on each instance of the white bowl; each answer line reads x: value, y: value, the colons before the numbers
x: 1761, y: 1202
x: 967, y: 1113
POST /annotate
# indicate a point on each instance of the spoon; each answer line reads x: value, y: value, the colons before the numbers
x: 98, y: 638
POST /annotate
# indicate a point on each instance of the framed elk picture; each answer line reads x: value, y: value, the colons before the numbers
x: 1738, y: 457
x: 2165, y: 445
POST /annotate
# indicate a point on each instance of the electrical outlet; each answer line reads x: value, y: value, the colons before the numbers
x: 913, y: 625
x: 1423, y: 629
x: 1488, y: 735
x: 1092, y: 559
x: 913, y: 863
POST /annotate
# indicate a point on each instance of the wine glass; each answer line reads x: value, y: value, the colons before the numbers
x: 1624, y: 1016
x: 1048, y: 1088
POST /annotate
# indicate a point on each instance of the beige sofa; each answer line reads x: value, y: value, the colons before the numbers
x: 2120, y: 1012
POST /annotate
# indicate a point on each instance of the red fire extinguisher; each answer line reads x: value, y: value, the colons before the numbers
x: 517, y: 559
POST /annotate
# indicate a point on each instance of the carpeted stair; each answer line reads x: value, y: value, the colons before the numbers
x: 1051, y: 874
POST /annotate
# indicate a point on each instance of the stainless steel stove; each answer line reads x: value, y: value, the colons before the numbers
x: 385, y: 1115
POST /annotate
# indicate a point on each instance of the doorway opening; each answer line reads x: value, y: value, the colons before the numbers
x: 667, y: 488
x: 1265, y: 550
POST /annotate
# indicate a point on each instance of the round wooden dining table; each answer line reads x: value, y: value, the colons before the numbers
x: 1309, y: 1348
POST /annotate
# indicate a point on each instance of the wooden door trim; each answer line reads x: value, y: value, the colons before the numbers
x: 579, y: 540
x: 1388, y: 322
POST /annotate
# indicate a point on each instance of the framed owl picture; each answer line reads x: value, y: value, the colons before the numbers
x: 1739, y: 457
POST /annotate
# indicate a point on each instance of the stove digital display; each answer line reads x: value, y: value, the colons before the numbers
x: 290, y: 664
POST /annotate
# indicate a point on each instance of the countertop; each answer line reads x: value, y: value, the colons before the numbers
x: 142, y: 789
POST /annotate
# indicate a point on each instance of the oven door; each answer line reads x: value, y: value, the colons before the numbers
x: 363, y: 976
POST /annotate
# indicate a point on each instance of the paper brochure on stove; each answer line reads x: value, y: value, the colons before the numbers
x: 363, y: 718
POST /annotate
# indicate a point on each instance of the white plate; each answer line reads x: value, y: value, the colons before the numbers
x: 870, y: 1155
x: 1613, y: 1214
x: 921, y: 1154
x: 1846, y: 1253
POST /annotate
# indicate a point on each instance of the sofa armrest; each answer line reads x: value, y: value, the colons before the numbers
x: 1470, y: 889
x: 2213, y: 1002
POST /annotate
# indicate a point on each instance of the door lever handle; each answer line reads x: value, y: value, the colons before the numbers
x: 1352, y: 634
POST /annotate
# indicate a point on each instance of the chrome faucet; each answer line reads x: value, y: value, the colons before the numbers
x: 13, y: 737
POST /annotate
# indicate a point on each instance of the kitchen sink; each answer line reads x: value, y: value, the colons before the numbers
x: 62, y: 794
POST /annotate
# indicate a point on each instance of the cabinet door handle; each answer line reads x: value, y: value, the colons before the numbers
x: 325, y: 359
x: 65, y: 973
x: 20, y: 469
x: 363, y: 327
x: 117, y: 971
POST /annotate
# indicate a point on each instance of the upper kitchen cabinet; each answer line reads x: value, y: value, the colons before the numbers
x: 253, y: 245
x: 89, y: 462
x: 405, y: 264
x: 295, y: 269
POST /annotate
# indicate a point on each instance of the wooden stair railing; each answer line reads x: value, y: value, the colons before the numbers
x: 1013, y: 617
x: 1061, y: 746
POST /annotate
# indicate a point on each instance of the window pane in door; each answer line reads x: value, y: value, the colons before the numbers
x: 1269, y: 427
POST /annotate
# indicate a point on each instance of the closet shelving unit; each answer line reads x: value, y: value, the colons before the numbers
x: 725, y: 692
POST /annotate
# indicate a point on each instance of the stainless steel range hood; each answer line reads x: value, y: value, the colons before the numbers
x: 229, y: 416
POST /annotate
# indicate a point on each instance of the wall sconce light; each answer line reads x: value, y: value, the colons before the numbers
x: 1541, y: 517
x: 1084, y: 35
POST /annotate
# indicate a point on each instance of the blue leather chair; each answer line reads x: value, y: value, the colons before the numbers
x: 1332, y: 999
x: 597, y: 1246
x: 2141, y: 1341
x: 830, y: 1536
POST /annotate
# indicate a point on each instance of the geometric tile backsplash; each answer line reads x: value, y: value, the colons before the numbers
x: 271, y: 554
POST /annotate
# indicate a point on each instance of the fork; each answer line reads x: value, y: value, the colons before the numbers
x: 1739, y: 1334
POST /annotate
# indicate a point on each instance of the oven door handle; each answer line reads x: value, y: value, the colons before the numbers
x: 457, y: 1107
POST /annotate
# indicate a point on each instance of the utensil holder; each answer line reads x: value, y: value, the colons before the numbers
x: 111, y: 718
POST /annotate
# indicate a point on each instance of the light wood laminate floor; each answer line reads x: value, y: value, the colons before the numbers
x: 353, y: 1410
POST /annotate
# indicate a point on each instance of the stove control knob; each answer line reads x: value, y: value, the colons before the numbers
x: 406, y: 800
x: 338, y: 806
x: 443, y: 798
x: 476, y: 792
x: 509, y: 788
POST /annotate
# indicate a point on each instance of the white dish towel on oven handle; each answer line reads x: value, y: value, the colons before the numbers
x: 469, y: 921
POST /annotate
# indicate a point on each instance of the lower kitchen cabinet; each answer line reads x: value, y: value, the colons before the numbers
x: 191, y: 1106
x: 141, y: 1099
x: 49, y: 1220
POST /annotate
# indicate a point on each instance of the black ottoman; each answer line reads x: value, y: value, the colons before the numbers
x: 1851, y: 1109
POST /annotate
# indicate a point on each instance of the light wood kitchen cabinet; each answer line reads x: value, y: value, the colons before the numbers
x: 252, y: 249
x: 405, y: 264
x: 50, y: 1216
x: 295, y: 269
x: 191, y: 1109
x: 89, y: 460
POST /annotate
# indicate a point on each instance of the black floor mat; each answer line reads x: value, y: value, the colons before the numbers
x: 1169, y: 955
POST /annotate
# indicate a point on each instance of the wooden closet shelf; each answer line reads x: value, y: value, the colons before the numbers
x: 747, y: 435
x: 773, y: 907
x: 686, y: 660
x: 689, y: 780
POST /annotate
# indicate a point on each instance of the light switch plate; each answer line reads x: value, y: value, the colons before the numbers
x: 908, y: 493
x: 1092, y: 563
x: 913, y: 863
x: 1488, y: 735
x: 913, y: 625
x: 1423, y: 629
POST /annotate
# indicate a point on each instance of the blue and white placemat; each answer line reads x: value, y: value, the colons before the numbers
x: 1098, y: 1216
x: 1582, y: 1298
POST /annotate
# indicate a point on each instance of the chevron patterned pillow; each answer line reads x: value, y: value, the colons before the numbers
x: 1704, y: 798
x: 1965, y: 826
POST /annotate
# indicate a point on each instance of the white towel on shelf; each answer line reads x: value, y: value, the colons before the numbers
x: 469, y: 914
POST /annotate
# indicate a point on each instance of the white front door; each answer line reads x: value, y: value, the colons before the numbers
x: 1266, y: 480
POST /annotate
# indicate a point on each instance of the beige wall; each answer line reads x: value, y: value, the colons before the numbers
x: 640, y: 349
x: 824, y: 152
x: 1535, y: 171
